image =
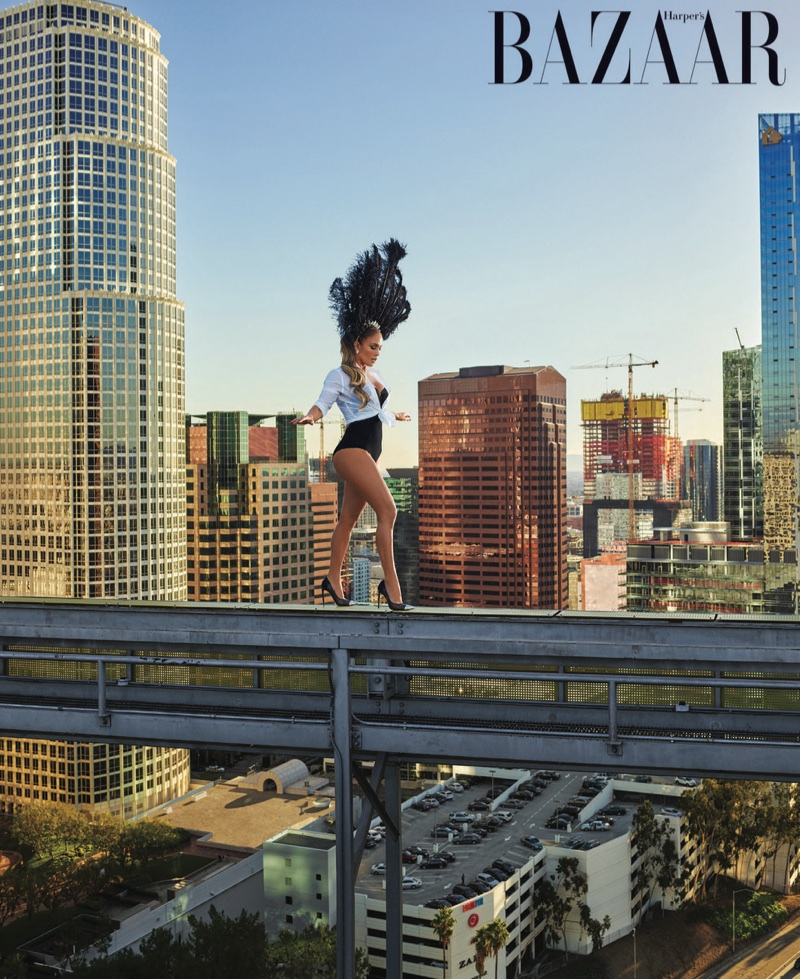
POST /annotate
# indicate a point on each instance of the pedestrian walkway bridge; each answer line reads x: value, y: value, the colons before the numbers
x: 698, y: 695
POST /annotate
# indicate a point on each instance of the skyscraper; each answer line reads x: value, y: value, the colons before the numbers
x: 779, y: 176
x: 742, y: 447
x: 92, y: 471
x: 492, y: 488
x: 249, y: 510
x: 91, y: 334
x: 702, y: 479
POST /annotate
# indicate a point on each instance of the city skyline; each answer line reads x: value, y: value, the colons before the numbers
x: 551, y: 224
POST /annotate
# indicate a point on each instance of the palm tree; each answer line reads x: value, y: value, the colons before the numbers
x: 483, y: 949
x: 444, y: 924
x: 497, y: 937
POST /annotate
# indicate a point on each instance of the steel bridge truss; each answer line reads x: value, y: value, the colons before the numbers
x: 638, y: 693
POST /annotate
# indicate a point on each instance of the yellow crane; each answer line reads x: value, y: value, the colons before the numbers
x: 630, y: 363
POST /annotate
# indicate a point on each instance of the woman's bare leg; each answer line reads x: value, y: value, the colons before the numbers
x: 363, y: 478
x: 352, y: 505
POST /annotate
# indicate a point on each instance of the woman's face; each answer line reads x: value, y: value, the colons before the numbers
x: 368, y: 348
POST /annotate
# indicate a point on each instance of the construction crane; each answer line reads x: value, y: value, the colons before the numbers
x: 683, y: 397
x: 630, y: 461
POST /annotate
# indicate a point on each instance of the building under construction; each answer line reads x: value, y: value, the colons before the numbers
x: 634, y: 442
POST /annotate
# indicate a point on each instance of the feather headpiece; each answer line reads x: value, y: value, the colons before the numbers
x: 371, y: 292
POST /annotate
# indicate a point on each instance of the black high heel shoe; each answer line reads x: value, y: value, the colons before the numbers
x: 326, y: 586
x: 394, y: 606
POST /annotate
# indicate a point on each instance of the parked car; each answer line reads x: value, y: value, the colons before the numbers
x: 420, y: 850
x: 497, y: 872
x: 468, y: 839
x: 466, y: 891
x: 479, y: 805
x: 462, y: 817
x: 504, y: 865
x: 503, y: 816
x: 595, y: 826
x: 549, y: 774
x: 532, y: 842
x: 514, y: 804
x: 615, y: 810
x: 440, y: 832
x: 447, y: 855
x: 433, y: 862
x: 562, y: 822
x: 689, y: 783
x: 488, y: 878
x: 432, y: 801
x: 671, y: 811
x: 539, y: 783
x: 643, y: 778
x: 479, y: 886
x: 378, y: 869
x: 421, y: 805
x: 442, y: 902
x: 455, y: 786
x: 370, y: 843
x: 523, y: 794
x: 411, y: 883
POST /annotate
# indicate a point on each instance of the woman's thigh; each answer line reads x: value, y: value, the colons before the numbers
x: 360, y: 471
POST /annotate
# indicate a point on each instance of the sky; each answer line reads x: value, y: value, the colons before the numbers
x: 546, y: 222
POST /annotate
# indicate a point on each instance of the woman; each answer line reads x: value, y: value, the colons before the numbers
x: 370, y: 303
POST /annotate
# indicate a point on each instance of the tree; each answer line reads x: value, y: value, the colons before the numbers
x: 229, y: 946
x: 651, y: 837
x: 482, y: 942
x: 444, y: 924
x: 10, y: 895
x: 557, y: 896
x: 144, y: 840
x: 728, y: 817
x: 594, y: 928
x: 497, y: 937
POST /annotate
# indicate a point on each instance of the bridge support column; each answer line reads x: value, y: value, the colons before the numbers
x: 343, y: 785
x: 394, y: 874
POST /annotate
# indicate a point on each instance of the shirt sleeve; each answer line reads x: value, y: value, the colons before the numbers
x: 331, y: 389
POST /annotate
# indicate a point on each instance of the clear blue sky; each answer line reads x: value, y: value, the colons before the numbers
x: 552, y: 224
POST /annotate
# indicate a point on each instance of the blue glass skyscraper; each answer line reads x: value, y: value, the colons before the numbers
x: 779, y: 175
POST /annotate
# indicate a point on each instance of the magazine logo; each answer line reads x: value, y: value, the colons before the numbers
x: 605, y: 51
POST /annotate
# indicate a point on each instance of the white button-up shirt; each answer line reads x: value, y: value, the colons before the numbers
x: 337, y: 390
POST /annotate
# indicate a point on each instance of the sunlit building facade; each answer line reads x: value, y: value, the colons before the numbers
x: 492, y: 488
x: 742, y: 443
x: 91, y: 332
x: 249, y: 510
x: 92, y: 470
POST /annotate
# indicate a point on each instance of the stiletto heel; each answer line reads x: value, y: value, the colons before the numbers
x: 394, y: 606
x: 326, y: 586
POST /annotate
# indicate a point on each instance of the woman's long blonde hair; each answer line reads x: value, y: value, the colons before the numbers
x: 356, y: 373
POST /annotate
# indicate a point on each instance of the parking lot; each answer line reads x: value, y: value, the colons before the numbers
x: 470, y: 860
x: 529, y: 820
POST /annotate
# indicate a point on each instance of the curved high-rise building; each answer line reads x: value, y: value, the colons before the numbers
x: 92, y: 459
x: 91, y: 334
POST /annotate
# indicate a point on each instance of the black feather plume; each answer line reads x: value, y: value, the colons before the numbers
x: 372, y: 291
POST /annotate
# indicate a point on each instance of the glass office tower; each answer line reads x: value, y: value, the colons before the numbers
x: 92, y: 470
x: 92, y: 466
x: 742, y: 443
x: 779, y: 156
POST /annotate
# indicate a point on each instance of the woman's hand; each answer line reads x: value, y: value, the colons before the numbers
x: 402, y: 416
x: 304, y: 420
